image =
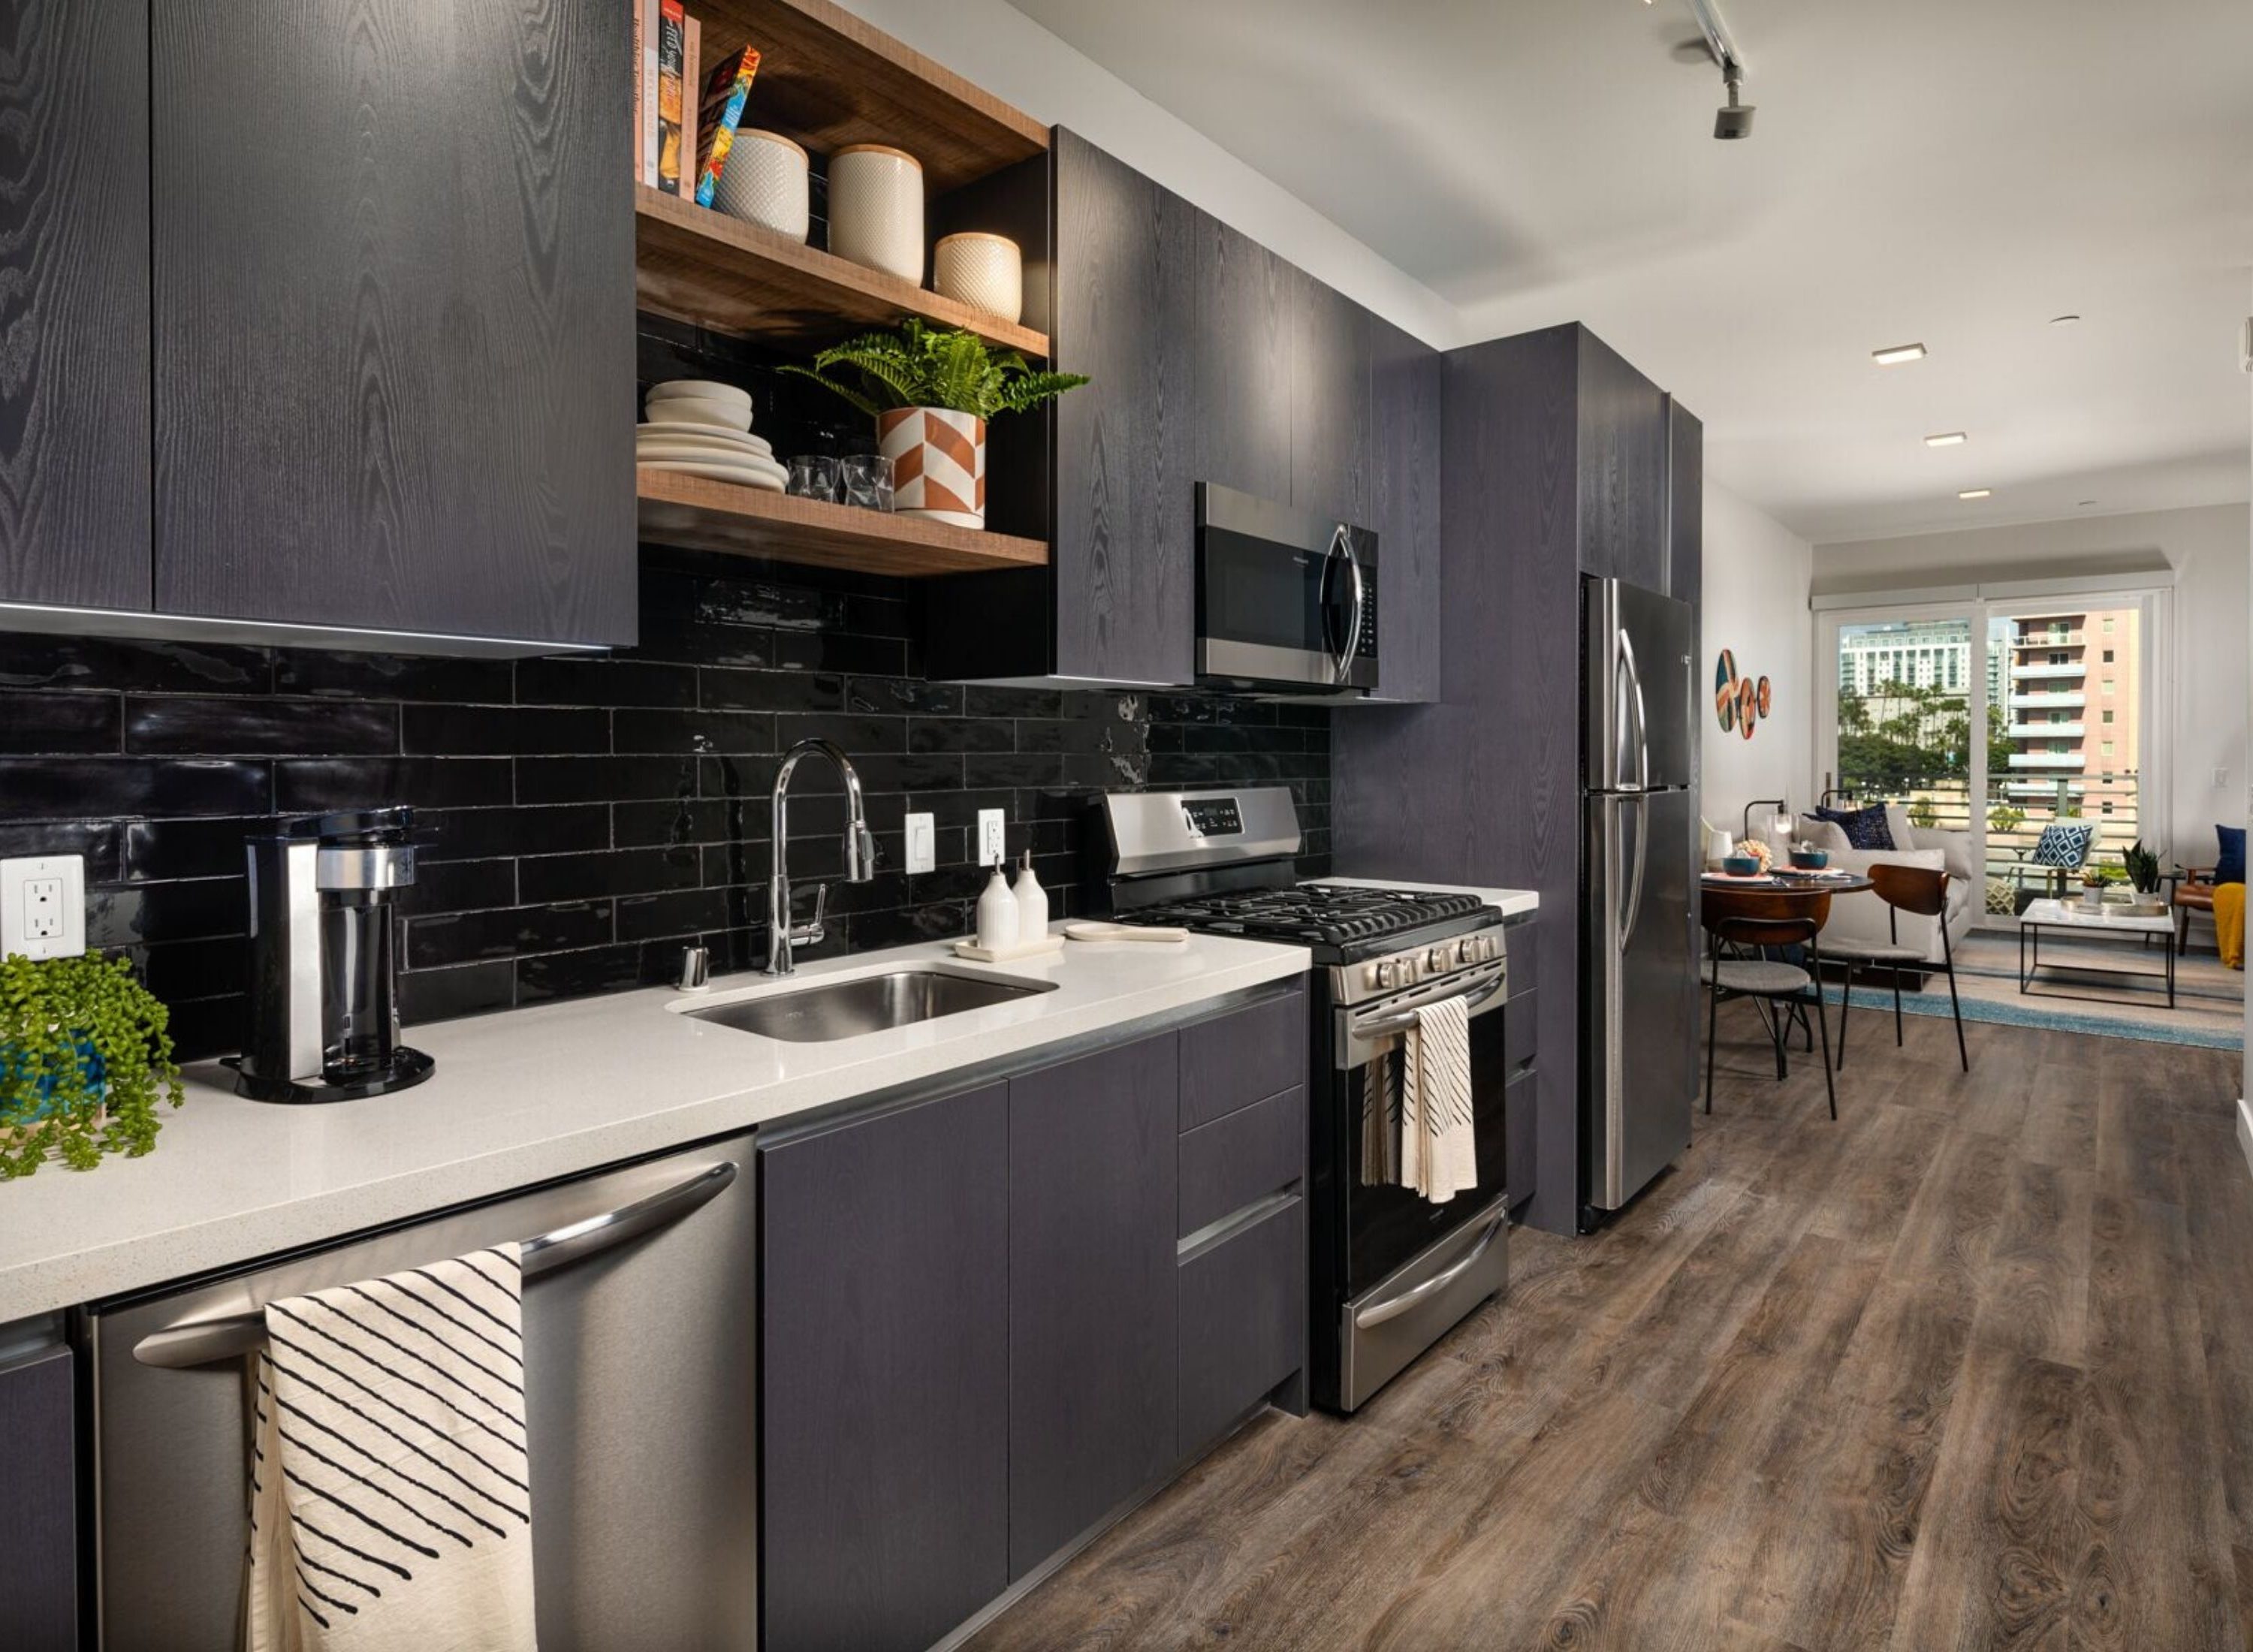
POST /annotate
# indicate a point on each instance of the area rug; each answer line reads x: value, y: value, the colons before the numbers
x: 2209, y: 999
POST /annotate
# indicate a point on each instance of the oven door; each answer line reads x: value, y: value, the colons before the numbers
x: 1284, y: 597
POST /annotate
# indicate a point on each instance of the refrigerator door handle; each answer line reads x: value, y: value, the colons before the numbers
x: 1641, y: 711
x: 1642, y: 870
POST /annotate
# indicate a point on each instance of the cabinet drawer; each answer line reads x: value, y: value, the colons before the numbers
x: 1232, y: 1061
x: 1243, y: 1320
x: 1240, y: 1159
x: 1518, y: 1033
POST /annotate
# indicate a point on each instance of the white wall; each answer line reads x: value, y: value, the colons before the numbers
x: 2207, y: 548
x: 1754, y: 601
x: 1000, y: 49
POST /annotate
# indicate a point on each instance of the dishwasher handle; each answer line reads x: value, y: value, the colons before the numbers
x: 202, y: 1342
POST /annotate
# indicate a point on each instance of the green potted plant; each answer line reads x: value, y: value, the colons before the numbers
x: 2093, y: 880
x: 930, y: 391
x: 84, y: 1061
x: 2143, y: 867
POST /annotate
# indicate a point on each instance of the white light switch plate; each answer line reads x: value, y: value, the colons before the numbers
x: 43, y: 906
x: 993, y: 842
x: 922, y: 845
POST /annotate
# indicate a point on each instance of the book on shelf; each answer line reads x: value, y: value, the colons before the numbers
x: 725, y: 90
x: 646, y: 29
x: 637, y: 90
x: 671, y: 46
x: 692, y: 52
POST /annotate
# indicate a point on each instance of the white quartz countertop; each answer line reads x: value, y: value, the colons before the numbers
x: 527, y: 1095
x: 1512, y: 901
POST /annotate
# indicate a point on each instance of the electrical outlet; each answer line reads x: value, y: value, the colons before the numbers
x: 922, y: 845
x: 2221, y: 779
x: 43, y: 906
x: 993, y: 841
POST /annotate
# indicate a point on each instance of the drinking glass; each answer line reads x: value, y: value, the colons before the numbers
x: 867, y: 479
x: 813, y: 475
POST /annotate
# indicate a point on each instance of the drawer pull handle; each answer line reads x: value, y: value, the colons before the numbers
x: 1393, y: 1307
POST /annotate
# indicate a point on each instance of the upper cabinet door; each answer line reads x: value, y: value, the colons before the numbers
x: 1124, y: 549
x: 1686, y: 504
x: 1329, y: 403
x: 393, y: 300
x: 1622, y: 480
x: 1406, y: 381
x: 1244, y: 297
x: 74, y: 303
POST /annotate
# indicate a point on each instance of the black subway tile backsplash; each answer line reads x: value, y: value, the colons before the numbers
x: 582, y: 819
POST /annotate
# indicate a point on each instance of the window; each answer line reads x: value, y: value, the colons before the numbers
x: 2060, y: 747
x: 2109, y: 623
x: 2057, y: 658
x: 2108, y: 748
x: 2107, y: 685
x: 2107, y: 716
x: 2108, y: 656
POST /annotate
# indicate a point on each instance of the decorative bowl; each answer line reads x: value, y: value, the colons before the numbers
x: 1740, y: 866
x: 1811, y: 860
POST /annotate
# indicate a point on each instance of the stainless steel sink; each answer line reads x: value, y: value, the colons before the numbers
x: 864, y: 1004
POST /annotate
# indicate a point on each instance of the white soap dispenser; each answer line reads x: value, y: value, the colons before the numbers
x: 1032, y: 903
x: 997, y: 913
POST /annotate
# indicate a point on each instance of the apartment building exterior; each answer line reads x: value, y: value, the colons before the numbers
x: 2075, y: 680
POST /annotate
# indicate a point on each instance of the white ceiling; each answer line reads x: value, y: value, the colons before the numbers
x: 1939, y: 171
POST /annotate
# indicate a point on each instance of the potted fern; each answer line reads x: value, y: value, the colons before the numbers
x: 84, y: 1060
x: 930, y: 391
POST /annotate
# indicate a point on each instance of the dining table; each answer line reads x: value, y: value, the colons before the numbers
x: 1792, y: 893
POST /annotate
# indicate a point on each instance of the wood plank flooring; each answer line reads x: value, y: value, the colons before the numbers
x: 1970, y: 1368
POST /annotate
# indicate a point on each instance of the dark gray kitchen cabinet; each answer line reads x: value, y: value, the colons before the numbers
x: 1092, y: 1181
x: 884, y: 1375
x: 1331, y: 429
x: 74, y: 303
x: 1243, y: 1321
x: 1124, y: 577
x: 1624, y: 439
x: 393, y: 297
x: 1686, y: 504
x: 38, y: 1570
x: 1405, y: 380
x: 1245, y: 327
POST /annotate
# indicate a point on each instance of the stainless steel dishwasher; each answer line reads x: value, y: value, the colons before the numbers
x: 640, y: 1320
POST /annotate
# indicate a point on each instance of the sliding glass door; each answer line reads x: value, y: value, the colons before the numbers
x: 1998, y: 718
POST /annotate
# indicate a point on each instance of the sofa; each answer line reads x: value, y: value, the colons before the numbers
x: 1863, y: 917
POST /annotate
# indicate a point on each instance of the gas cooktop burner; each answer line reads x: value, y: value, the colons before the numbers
x: 1321, y: 913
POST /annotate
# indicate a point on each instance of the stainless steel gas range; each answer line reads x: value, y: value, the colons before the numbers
x: 1390, y: 1271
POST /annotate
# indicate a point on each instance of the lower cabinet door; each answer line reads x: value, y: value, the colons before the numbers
x: 1243, y: 1321
x: 39, y: 1579
x: 1092, y: 1180
x: 884, y: 1396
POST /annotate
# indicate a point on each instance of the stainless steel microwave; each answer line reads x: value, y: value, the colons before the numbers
x: 1286, y: 599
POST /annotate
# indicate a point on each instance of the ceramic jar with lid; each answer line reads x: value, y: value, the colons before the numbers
x: 987, y: 272
x: 875, y: 209
x: 764, y: 183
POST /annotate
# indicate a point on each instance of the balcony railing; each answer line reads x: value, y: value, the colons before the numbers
x: 2046, y: 730
x: 2049, y: 760
x: 2062, y: 701
x: 2025, y: 670
x: 2015, y: 814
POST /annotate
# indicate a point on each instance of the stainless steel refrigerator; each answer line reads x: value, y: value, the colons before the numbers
x: 1638, y: 952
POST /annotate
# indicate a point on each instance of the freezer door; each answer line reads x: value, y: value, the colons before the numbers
x: 639, y: 1376
x: 1639, y: 652
x: 1640, y: 1046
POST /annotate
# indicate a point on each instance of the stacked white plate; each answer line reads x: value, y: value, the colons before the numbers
x: 703, y: 427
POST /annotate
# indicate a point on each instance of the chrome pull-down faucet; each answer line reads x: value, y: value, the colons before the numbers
x: 860, y: 855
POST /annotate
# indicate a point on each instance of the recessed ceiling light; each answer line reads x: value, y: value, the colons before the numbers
x: 1975, y: 493
x: 1946, y: 439
x: 1894, y: 355
x: 2064, y: 321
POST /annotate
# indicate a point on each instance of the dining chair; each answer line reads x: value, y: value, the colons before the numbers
x: 1745, y: 930
x: 1920, y: 891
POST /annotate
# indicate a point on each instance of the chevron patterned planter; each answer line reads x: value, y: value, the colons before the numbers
x: 938, y: 463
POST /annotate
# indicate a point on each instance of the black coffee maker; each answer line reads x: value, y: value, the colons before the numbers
x: 324, y: 989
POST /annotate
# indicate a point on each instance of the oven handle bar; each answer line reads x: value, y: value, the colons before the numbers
x: 1393, y: 1307
x: 200, y: 1342
x: 1405, y: 1019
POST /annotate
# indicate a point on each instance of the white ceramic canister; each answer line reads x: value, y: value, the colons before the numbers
x: 1032, y: 902
x: 987, y: 272
x: 764, y: 182
x: 875, y: 209
x: 997, y: 913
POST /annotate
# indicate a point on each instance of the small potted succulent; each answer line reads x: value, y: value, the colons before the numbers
x: 2093, y: 880
x: 930, y: 391
x: 84, y: 1061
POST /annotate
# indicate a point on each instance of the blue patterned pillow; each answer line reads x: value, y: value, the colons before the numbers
x: 2231, y: 868
x: 2063, y: 843
x: 1864, y: 829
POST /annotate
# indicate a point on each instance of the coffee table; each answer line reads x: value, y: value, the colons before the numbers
x: 2083, y: 924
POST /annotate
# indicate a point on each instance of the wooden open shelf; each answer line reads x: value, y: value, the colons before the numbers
x: 700, y: 515
x: 709, y: 269
x: 828, y: 79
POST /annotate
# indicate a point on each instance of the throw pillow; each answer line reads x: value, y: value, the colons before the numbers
x: 2063, y: 844
x: 1822, y: 834
x: 2231, y: 868
x: 1864, y: 829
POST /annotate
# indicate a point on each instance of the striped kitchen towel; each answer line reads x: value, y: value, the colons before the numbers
x: 391, y: 1502
x: 1439, y: 1145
